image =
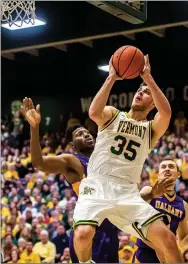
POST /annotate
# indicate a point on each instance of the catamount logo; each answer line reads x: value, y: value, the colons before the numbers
x: 2, y: 256
x: 87, y: 190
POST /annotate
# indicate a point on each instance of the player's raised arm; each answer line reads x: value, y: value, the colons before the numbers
x: 183, y: 230
x: 98, y: 111
x: 67, y: 164
x: 162, y: 118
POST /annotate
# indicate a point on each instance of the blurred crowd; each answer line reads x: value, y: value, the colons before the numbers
x: 37, y: 208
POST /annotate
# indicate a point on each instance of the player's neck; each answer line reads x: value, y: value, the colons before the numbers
x: 170, y: 193
x: 137, y: 115
x: 86, y: 153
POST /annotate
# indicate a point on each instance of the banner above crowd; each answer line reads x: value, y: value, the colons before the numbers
x: 124, y: 100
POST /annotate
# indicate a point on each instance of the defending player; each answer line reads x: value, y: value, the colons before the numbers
x: 123, y: 143
x: 170, y: 204
x: 74, y: 167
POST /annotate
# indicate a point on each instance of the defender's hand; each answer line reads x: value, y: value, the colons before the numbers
x: 31, y: 114
x: 160, y: 187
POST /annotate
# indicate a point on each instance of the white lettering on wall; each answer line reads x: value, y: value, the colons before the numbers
x: 170, y: 94
x: 85, y: 104
x: 113, y: 100
x: 185, y: 93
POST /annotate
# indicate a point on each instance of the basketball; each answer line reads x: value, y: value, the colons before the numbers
x: 128, y: 62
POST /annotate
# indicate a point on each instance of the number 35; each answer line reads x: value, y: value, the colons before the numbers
x: 118, y: 150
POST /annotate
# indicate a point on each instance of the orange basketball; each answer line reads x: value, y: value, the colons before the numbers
x: 128, y: 62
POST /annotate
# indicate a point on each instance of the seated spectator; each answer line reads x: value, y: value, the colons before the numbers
x: 180, y: 124
x: 67, y: 197
x: 7, y: 248
x: 61, y: 241
x: 44, y: 212
x: 41, y: 220
x: 14, y: 257
x: 28, y: 256
x: 28, y: 216
x: 45, y: 249
x: 124, y: 241
x: 11, y: 173
x: 128, y: 254
x: 21, y: 245
x: 29, y: 207
x: 35, y: 235
x: 66, y: 256
x: 25, y: 233
x: 21, y: 224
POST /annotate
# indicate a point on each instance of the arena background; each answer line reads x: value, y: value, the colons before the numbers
x: 64, y: 78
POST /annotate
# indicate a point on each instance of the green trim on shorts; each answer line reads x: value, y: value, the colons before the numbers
x: 85, y: 222
x: 152, y: 219
x: 138, y: 230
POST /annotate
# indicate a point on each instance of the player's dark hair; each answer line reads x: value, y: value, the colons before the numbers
x: 169, y: 158
x: 69, y: 132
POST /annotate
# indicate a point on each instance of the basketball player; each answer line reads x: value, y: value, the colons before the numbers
x: 105, y: 243
x: 170, y: 204
x: 123, y: 143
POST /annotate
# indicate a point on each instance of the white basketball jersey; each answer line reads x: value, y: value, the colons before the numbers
x: 121, y: 148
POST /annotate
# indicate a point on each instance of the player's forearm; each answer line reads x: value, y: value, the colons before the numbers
x: 100, y: 100
x: 146, y: 196
x: 36, y: 154
x: 158, y: 96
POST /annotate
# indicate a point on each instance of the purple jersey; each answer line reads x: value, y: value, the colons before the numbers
x: 105, y: 242
x: 174, y: 208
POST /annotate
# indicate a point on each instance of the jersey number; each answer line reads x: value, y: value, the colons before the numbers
x: 118, y: 150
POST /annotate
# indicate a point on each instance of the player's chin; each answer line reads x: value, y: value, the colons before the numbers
x: 89, y: 144
x: 137, y: 105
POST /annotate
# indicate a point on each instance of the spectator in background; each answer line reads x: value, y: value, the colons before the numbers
x: 124, y: 241
x: 52, y: 228
x: 180, y: 124
x: 68, y: 195
x: 185, y: 256
x: 8, y: 248
x: 45, y: 249
x: 61, y: 241
x: 127, y: 254
x: 17, y: 124
x: 183, y: 165
x: 14, y: 257
x: 11, y: 173
x: 22, y: 170
x: 21, y: 245
x: 66, y: 256
x: 28, y: 256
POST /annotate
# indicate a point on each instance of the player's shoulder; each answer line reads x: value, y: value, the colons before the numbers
x: 180, y: 199
x: 185, y: 205
x: 69, y: 158
x: 83, y: 159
